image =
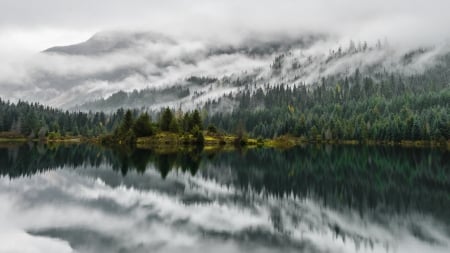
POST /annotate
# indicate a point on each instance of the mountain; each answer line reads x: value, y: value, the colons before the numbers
x: 142, y: 69
x: 112, y: 61
x: 291, y: 65
x: 363, y: 92
x: 110, y: 42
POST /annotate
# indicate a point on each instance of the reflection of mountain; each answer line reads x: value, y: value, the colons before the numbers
x: 358, y: 177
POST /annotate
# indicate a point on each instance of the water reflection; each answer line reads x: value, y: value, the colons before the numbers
x: 312, y: 199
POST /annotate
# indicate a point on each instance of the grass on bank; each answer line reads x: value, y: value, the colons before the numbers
x: 215, y: 141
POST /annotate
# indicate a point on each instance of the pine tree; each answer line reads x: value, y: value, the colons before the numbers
x: 196, y: 120
x: 165, y: 120
x: 142, y: 127
x: 127, y: 122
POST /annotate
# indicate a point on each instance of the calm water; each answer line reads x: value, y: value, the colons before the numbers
x: 82, y: 198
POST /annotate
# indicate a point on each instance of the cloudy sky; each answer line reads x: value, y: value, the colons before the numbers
x: 35, y: 25
x: 28, y: 27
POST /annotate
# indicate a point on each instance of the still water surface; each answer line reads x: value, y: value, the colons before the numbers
x: 81, y: 198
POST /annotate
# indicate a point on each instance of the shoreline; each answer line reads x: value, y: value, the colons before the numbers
x: 174, y: 141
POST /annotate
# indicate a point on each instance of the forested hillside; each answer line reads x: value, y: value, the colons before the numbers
x: 381, y: 106
x: 409, y: 101
x: 35, y: 120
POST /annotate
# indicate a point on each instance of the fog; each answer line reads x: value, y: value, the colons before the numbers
x: 400, y: 20
x: 191, y: 38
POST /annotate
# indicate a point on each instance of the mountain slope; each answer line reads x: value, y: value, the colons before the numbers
x: 112, y: 61
x: 109, y: 42
x: 147, y: 70
x: 296, y: 66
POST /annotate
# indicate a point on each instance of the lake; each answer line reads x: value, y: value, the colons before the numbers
x: 84, y: 198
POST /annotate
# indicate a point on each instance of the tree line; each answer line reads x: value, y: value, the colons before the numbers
x: 384, y: 106
x: 34, y: 120
x: 189, y: 123
x: 388, y: 106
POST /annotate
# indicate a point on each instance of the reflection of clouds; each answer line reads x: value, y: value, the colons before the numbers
x: 98, y: 211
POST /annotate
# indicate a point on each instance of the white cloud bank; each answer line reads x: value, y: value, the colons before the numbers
x: 401, y: 20
x: 197, y: 27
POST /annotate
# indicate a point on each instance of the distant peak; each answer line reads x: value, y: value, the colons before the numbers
x: 110, y: 41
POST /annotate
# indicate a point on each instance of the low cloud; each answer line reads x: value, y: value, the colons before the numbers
x: 64, y: 76
x: 188, y: 38
x: 400, y: 20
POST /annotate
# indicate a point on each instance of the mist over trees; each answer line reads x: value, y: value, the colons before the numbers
x: 391, y: 107
x: 371, y: 103
x: 32, y: 119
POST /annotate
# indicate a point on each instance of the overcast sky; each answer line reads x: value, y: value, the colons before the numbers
x: 35, y: 25
x: 29, y: 26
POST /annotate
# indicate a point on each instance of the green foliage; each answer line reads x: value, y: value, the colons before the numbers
x: 212, y: 129
x: 390, y: 108
x: 137, y: 98
x: 127, y: 123
x: 241, y: 135
x: 33, y: 120
x: 166, y: 119
x: 198, y: 135
x: 189, y: 121
x: 54, y: 135
x: 129, y: 137
x: 29, y: 118
x: 200, y: 139
x: 174, y: 127
x: 142, y: 127
x: 196, y: 120
x: 360, y: 106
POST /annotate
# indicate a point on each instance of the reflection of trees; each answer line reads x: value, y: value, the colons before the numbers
x: 29, y: 159
x: 186, y: 161
x: 190, y: 162
x: 164, y: 164
x: 340, y: 176
x: 139, y: 159
x: 351, y: 176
